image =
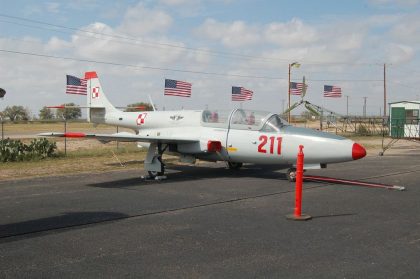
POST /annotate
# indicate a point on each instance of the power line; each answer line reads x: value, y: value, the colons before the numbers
x: 403, y: 85
x: 195, y: 62
x: 253, y: 68
x: 343, y: 80
x: 171, y: 69
x: 136, y: 66
x: 137, y: 41
x: 131, y: 39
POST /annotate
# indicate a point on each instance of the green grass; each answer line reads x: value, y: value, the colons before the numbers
x: 79, y: 161
x: 103, y: 151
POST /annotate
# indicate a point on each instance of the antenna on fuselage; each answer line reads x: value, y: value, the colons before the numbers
x: 151, y: 102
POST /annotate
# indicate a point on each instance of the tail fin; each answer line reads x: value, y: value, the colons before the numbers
x: 97, y: 103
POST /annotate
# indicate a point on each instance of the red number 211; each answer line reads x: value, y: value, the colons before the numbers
x: 273, y: 141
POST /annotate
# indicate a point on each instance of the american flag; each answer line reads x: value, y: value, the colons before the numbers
x: 296, y: 88
x: 241, y: 94
x: 332, y: 91
x: 177, y: 88
x: 76, y: 85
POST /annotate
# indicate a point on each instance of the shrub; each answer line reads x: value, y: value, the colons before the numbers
x: 14, y: 150
x: 362, y: 130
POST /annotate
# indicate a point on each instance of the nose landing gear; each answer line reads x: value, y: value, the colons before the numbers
x: 234, y: 165
x: 291, y: 174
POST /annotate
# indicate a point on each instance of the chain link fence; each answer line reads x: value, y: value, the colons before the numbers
x: 28, y: 130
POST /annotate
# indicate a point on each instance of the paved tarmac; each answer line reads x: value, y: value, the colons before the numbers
x: 210, y: 222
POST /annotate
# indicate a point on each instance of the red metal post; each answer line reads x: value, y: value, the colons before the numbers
x: 299, y: 182
x: 298, y: 216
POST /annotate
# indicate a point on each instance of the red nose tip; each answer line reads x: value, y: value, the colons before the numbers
x: 358, y: 151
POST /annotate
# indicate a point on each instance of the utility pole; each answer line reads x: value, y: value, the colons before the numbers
x: 288, y: 104
x: 282, y: 106
x: 384, y: 90
x: 2, y: 93
x: 364, y: 107
x: 347, y: 105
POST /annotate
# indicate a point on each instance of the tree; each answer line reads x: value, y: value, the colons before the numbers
x: 141, y: 106
x: 46, y: 113
x: 16, y: 113
x: 69, y: 113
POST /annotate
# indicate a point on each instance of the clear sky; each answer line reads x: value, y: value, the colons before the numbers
x: 214, y: 44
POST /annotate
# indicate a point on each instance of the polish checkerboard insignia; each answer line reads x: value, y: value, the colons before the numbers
x: 95, y: 92
x: 140, y: 118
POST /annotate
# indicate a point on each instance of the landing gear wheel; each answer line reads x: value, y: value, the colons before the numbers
x: 234, y: 166
x: 291, y: 174
x: 153, y: 174
x: 154, y: 163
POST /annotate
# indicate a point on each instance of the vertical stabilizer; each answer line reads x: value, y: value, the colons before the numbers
x: 97, y: 103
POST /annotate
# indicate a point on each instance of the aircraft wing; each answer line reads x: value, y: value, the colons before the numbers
x: 123, y: 136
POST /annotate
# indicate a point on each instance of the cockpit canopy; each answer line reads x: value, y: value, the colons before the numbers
x: 243, y: 119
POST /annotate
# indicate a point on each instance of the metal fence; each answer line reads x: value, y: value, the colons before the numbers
x: 27, y: 130
x: 348, y: 126
x: 406, y: 128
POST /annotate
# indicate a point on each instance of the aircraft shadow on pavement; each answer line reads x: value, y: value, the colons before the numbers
x: 60, y: 223
x: 180, y: 173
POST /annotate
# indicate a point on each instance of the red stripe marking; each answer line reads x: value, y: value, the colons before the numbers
x: 344, y: 181
x: 74, y: 135
x: 58, y: 107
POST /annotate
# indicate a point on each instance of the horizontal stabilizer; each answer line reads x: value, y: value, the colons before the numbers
x: 65, y: 107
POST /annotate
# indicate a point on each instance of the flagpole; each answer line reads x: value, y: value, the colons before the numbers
x: 347, y: 105
x: 384, y: 90
x: 297, y: 65
x: 288, y: 106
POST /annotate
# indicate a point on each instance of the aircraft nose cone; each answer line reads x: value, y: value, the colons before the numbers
x: 358, y: 151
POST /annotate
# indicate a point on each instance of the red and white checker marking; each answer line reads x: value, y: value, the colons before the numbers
x: 140, y: 118
x: 95, y: 92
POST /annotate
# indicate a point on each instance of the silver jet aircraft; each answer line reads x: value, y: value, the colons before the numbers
x: 236, y: 137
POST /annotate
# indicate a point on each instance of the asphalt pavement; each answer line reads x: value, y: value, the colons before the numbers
x: 210, y: 222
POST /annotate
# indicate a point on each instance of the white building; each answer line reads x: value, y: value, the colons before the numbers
x: 404, y: 119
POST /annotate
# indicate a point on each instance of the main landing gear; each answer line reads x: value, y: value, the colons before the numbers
x: 234, y: 165
x: 154, y: 163
x: 291, y: 174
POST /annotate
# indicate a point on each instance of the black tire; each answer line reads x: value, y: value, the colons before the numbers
x: 234, y: 165
x: 155, y: 173
x: 291, y: 174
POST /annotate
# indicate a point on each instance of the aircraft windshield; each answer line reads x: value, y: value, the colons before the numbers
x: 248, y: 119
x: 215, y: 118
x: 243, y: 119
x: 274, y: 124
